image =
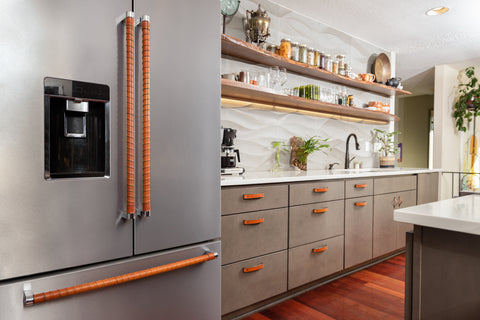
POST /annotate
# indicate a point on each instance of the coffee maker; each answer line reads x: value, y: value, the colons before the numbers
x: 229, y: 153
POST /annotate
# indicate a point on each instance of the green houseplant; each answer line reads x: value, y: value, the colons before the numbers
x: 303, y: 147
x: 467, y: 105
x: 388, y: 147
x: 279, y: 146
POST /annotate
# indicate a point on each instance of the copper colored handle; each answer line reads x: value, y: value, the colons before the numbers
x: 252, y: 269
x: 360, y: 204
x: 401, y: 201
x: 257, y: 221
x: 395, y: 202
x: 317, y: 250
x: 319, y: 190
x: 65, y: 292
x: 253, y: 196
x: 320, y: 210
x: 146, y: 112
x: 129, y: 26
x: 361, y: 185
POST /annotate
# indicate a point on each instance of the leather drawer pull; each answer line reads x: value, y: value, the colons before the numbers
x: 360, y: 204
x: 320, y: 210
x: 256, y: 221
x: 318, y: 250
x: 252, y: 269
x: 320, y: 190
x: 253, y: 196
x: 361, y: 185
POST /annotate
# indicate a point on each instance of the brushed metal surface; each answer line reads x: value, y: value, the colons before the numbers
x: 189, y: 293
x: 185, y: 130
x: 48, y: 225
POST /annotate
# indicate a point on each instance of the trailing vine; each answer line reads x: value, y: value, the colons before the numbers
x: 468, y: 103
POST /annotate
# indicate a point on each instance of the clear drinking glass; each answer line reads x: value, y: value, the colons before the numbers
x: 282, y: 76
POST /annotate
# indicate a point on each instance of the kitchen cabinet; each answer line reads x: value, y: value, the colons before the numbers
x: 318, y: 191
x: 427, y: 187
x: 358, y: 230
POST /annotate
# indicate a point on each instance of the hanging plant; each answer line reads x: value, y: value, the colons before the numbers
x: 468, y: 103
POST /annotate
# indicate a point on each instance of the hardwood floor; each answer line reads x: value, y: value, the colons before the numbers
x: 377, y: 292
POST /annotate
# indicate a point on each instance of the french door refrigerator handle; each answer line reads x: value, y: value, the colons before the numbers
x: 30, y: 299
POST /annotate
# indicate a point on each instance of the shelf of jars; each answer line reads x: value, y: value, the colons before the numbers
x: 240, y: 49
x: 239, y: 94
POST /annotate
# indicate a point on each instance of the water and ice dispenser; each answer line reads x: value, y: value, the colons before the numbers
x: 76, y: 129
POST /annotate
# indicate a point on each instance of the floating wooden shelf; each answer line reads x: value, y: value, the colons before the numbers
x: 253, y: 94
x: 240, y: 49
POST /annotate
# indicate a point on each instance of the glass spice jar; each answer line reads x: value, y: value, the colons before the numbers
x: 310, y: 56
x: 317, y: 58
x: 341, y: 60
x: 328, y: 62
x: 302, y: 53
x: 272, y: 48
x: 335, y: 66
x: 286, y: 48
x: 295, y: 50
x: 322, y: 60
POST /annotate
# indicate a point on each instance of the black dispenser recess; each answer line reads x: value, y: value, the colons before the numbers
x: 76, y: 129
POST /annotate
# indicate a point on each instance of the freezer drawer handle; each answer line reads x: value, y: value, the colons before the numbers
x: 360, y: 186
x: 320, y: 210
x: 318, y: 250
x: 320, y: 190
x: 253, y: 196
x: 361, y: 204
x: 256, y: 221
x: 30, y: 299
x: 252, y: 269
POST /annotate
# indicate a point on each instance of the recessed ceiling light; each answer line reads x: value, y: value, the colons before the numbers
x: 436, y: 11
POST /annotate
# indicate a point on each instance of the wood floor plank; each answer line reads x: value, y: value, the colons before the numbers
x: 384, y: 281
x: 292, y: 310
x: 390, y: 270
x: 385, y: 290
x: 257, y: 316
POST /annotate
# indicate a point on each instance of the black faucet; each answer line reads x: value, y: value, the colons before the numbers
x: 347, y: 155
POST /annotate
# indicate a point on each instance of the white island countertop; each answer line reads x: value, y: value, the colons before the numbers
x: 458, y: 214
x: 312, y: 175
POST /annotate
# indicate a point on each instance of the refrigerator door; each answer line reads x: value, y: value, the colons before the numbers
x: 185, y: 124
x: 53, y: 224
x: 189, y: 293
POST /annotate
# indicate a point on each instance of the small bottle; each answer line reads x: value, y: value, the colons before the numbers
x: 328, y: 63
x: 302, y: 53
x: 317, y: 58
x: 310, y: 56
x: 335, y: 66
x: 286, y: 48
x: 295, y: 49
x: 322, y: 60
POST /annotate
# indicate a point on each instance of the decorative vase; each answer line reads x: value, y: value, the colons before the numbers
x: 387, y: 162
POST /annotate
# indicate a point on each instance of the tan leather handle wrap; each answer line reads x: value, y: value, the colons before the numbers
x: 253, y: 196
x: 65, y: 292
x: 317, y: 250
x: 320, y: 190
x: 361, y: 185
x: 146, y: 114
x: 360, y: 204
x: 252, y: 269
x: 129, y: 26
x: 256, y: 221
x: 320, y: 210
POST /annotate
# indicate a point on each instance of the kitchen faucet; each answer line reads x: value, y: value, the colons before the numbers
x: 347, y: 155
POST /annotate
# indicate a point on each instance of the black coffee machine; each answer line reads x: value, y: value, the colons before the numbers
x: 229, y: 153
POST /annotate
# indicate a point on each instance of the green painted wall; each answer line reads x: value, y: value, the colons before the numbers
x: 414, y: 113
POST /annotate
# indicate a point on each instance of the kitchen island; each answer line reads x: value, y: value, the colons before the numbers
x: 443, y: 259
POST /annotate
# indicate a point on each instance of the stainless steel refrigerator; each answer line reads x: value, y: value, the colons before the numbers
x: 66, y: 216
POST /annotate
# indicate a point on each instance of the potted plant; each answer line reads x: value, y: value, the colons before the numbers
x: 279, y: 147
x: 468, y: 102
x: 302, y: 148
x: 388, y: 148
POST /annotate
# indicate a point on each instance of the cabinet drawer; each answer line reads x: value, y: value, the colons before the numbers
x: 245, y: 199
x: 248, y: 235
x: 305, y: 265
x: 358, y: 188
x: 243, y: 285
x: 310, y: 192
x: 394, y: 184
x: 313, y: 222
x: 358, y: 230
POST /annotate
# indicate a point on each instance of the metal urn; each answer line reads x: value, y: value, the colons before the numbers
x: 257, y: 26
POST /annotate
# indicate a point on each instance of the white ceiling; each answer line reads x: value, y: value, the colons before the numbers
x: 420, y: 41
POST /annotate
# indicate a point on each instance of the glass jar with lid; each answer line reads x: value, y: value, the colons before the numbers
x: 328, y: 62
x: 335, y: 66
x: 341, y: 61
x: 295, y: 50
x: 302, y: 53
x: 322, y: 60
x: 272, y: 48
x: 310, y: 56
x: 285, y: 49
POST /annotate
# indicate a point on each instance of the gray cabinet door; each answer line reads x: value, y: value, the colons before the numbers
x: 358, y: 230
x: 185, y: 124
x: 427, y: 187
x: 406, y: 199
x: 56, y: 224
x: 384, y: 230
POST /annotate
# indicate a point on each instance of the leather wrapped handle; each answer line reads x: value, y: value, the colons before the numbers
x: 113, y: 281
x: 360, y: 186
x: 253, y: 196
x: 320, y: 190
x: 256, y: 221
x: 318, y: 250
x: 146, y: 207
x: 320, y: 210
x: 361, y: 204
x: 130, y: 50
x: 252, y: 269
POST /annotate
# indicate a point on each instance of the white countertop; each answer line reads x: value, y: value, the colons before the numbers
x: 458, y: 214
x: 310, y: 175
